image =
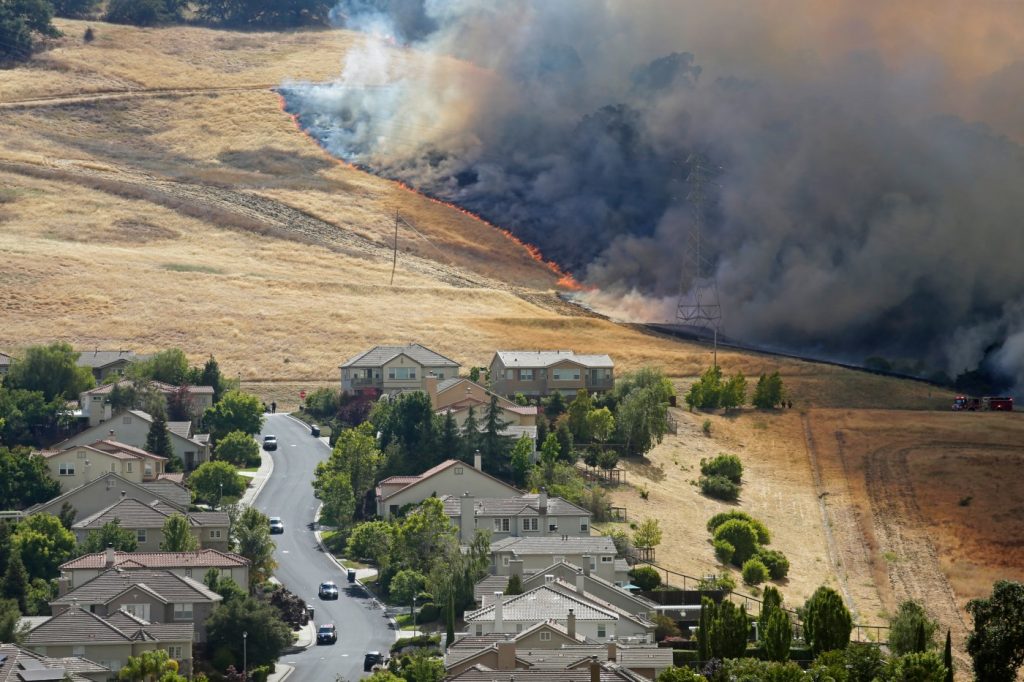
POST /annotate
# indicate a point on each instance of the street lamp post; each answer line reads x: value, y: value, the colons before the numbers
x: 245, y: 655
x: 412, y: 612
x: 220, y: 498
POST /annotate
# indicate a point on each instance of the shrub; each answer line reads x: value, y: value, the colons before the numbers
x: 742, y: 536
x: 89, y: 35
x: 141, y: 12
x: 428, y: 613
x: 775, y: 561
x: 728, y: 466
x: 239, y: 449
x: 706, y: 427
x: 717, y: 582
x: 645, y: 577
x: 763, y: 536
x: 720, y: 488
x: 724, y: 550
x: 323, y: 403
x: 419, y: 641
x: 665, y: 627
x: 754, y: 572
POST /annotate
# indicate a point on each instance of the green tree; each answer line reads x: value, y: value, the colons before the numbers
x: 493, y: 445
x: 252, y: 538
x: 600, y: 424
x: 214, y: 481
x: 915, y: 667
x: 212, y: 377
x: 28, y: 418
x: 578, y: 411
x: 520, y: 459
x: 827, y: 621
x: 40, y: 593
x: 470, y: 433
x: 706, y: 392
x: 864, y: 662
x: 10, y: 617
x: 223, y: 585
x: 908, y: 627
x: 24, y: 480
x: 645, y: 577
x: 373, y: 540
x: 742, y: 536
x: 728, y: 466
x: 178, y: 535
x: 149, y: 666
x: 52, y: 369
x: 641, y: 420
x: 515, y: 586
x: 771, y: 598
x: 44, y: 545
x: 729, y: 631
x: 997, y: 643
x: 423, y: 531
x: 334, y: 489
x: 707, y: 616
x: 345, y: 479
x: 554, y: 406
x: 322, y: 403
x: 278, y: 13
x: 734, y: 392
x: 450, y: 440
x: 15, y: 582
x: 239, y: 449
x: 422, y: 667
x: 236, y: 411
x: 647, y: 534
x: 754, y: 572
x: 777, y: 635
x: 565, y: 444
x: 111, y: 534
x: 683, y: 674
x: 646, y: 377
x: 947, y: 657
x: 769, y: 392
x: 169, y: 366
x: 763, y: 536
x: 406, y: 584
x: 158, y: 441
x: 267, y: 636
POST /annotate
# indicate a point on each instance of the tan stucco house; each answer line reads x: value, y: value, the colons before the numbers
x: 21, y: 665
x: 393, y: 369
x: 195, y: 564
x: 81, y: 463
x: 540, y: 373
x: 510, y: 614
x: 452, y: 477
x: 594, y: 553
x: 5, y: 364
x: 523, y: 515
x: 132, y: 427
x: 108, y: 488
x: 147, y: 521
x: 107, y: 363
x: 457, y: 396
x: 95, y: 403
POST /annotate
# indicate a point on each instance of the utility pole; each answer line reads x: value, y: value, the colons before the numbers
x: 394, y: 260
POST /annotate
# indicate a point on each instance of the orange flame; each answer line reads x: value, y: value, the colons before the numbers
x: 565, y: 279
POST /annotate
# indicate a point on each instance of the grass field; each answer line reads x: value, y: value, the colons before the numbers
x: 153, y: 194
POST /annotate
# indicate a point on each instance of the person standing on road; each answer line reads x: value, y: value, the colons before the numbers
x: 273, y: 408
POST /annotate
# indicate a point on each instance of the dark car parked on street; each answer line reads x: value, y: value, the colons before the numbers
x: 371, y: 659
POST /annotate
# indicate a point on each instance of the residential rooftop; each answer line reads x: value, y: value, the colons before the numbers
x: 164, y: 585
x: 379, y: 355
x: 562, y: 545
x: 526, y: 504
x: 543, y: 603
x: 205, y: 558
x: 546, y: 358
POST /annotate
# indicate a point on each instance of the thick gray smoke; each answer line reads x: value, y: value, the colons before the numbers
x: 864, y: 188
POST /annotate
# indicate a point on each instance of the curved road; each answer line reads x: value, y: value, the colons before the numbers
x: 288, y: 493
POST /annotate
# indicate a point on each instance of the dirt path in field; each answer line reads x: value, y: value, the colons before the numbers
x: 73, y: 99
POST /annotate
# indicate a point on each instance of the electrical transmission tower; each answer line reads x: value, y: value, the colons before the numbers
x: 698, y: 290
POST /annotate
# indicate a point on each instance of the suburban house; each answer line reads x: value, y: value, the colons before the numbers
x: 542, y: 372
x: 596, y: 553
x: 96, y: 408
x: 107, y: 488
x: 132, y: 427
x: 5, y: 366
x: 22, y: 665
x: 451, y: 477
x: 153, y: 596
x: 586, y: 670
x: 110, y: 640
x: 147, y: 521
x: 456, y: 396
x: 392, y: 369
x: 81, y: 463
x: 516, y: 613
x: 105, y: 363
x: 523, y: 515
x: 195, y: 564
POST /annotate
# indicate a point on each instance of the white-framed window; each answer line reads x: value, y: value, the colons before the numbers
x: 526, y: 375
x: 215, y: 534
x: 148, y: 469
x: 113, y: 468
x: 174, y: 652
x: 607, y: 559
x: 67, y: 469
x: 140, y: 535
x: 545, y: 636
x: 401, y: 373
x: 81, y: 455
x: 188, y: 572
x: 543, y: 373
x: 510, y: 374
x: 137, y: 610
x: 593, y: 564
x: 182, y: 612
x: 566, y: 374
x: 129, y: 465
x: 126, y: 419
x: 440, y: 376
x: 501, y: 525
x: 584, y: 524
x: 602, y: 631
x: 531, y: 523
x: 504, y: 561
x: 458, y: 471
x: 479, y: 630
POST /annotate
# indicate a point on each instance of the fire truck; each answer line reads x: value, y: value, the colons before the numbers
x: 988, y: 403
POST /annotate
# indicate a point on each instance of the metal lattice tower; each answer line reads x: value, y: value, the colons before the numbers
x: 698, y: 289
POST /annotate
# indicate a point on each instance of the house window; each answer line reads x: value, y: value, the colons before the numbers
x: 607, y: 559
x: 402, y: 373
x: 126, y: 420
x: 584, y: 525
x: 137, y: 610
x: 510, y: 374
x: 174, y: 652
x: 188, y: 572
x: 504, y: 561
x: 215, y: 534
x: 526, y: 375
x: 129, y: 465
x: 479, y: 630
x: 148, y: 469
x: 440, y: 376
x: 602, y: 631
x: 566, y: 374
x: 113, y: 468
x: 81, y: 455
x: 501, y: 525
x: 519, y: 627
x: 593, y: 564
x: 140, y: 535
x: 458, y: 471
x: 531, y: 523
x: 545, y: 636
x: 67, y: 469
x: 182, y: 612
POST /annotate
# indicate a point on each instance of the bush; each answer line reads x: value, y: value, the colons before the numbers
x: 775, y: 561
x: 323, y: 403
x: 142, y: 12
x: 723, y: 581
x: 665, y: 627
x: 428, y: 613
x: 645, y: 577
x: 763, y: 536
x: 724, y: 550
x: 742, y: 536
x: 239, y: 449
x: 720, y: 488
x: 754, y: 572
x: 728, y: 466
x: 419, y: 641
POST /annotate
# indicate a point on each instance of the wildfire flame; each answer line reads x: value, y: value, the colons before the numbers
x: 565, y: 279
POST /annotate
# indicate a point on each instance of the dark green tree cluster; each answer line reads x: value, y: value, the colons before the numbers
x: 721, y: 477
x: 997, y: 642
x: 827, y: 621
x: 343, y: 481
x: 723, y: 630
x: 24, y: 480
x: 239, y: 449
x: 712, y: 391
x: 110, y: 535
x: 31, y: 551
x: 144, y: 13
x: 911, y: 630
x: 265, y: 13
x: 641, y: 402
x: 769, y: 392
x: 74, y: 9
x: 267, y: 636
x: 236, y: 411
x: 738, y: 538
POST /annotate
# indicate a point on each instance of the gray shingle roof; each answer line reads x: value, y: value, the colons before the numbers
x: 101, y: 358
x: 479, y: 673
x: 149, y: 492
x: 130, y: 512
x: 201, y: 558
x: 524, y: 505
x: 73, y: 626
x: 546, y: 358
x: 164, y: 584
x: 183, y: 429
x: 22, y: 665
x: 170, y: 490
x: 542, y: 603
x: 378, y: 355
x: 556, y: 545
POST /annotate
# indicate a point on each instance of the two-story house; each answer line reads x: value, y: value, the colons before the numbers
x: 541, y: 373
x: 594, y: 553
x: 194, y: 564
x: 147, y: 522
x: 81, y: 463
x: 457, y: 396
x: 107, y: 488
x: 96, y: 408
x: 516, y: 613
x: 22, y: 665
x: 132, y: 428
x: 451, y: 477
x: 393, y: 369
x: 524, y: 515
x: 107, y: 363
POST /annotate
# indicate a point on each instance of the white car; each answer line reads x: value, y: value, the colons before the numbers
x: 270, y: 443
x: 276, y: 525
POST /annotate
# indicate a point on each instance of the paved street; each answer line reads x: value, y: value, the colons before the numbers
x: 302, y: 566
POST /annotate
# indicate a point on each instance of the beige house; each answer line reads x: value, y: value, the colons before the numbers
x: 153, y: 596
x: 594, y: 553
x: 452, y: 477
x: 108, y: 488
x: 5, y: 364
x: 112, y: 640
x: 523, y: 515
x: 196, y: 564
x: 458, y: 396
x: 540, y: 373
x: 585, y: 670
x: 393, y: 369
x: 96, y: 408
x: 147, y: 521
x: 510, y: 614
x: 106, y: 363
x: 21, y: 665
x: 132, y: 428
x: 81, y: 463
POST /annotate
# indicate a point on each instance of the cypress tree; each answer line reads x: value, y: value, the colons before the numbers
x: 15, y: 582
x: 778, y: 635
x: 920, y: 638
x: 947, y: 657
x: 707, y: 615
x: 449, y: 633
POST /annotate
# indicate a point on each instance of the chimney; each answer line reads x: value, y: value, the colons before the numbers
x: 430, y: 384
x: 111, y: 433
x: 542, y: 501
x: 586, y: 565
x: 109, y: 559
x: 595, y: 670
x: 570, y: 624
x: 124, y: 494
x: 580, y: 579
x: 507, y: 654
x: 477, y: 461
x: 467, y: 517
x: 499, y: 622
x: 515, y: 567
x: 613, y: 652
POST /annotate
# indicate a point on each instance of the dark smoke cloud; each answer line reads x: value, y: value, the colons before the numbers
x: 865, y: 184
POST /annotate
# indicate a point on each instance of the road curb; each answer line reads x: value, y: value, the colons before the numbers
x: 257, y: 489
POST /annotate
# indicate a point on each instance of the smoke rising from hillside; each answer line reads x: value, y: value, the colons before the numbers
x: 866, y: 195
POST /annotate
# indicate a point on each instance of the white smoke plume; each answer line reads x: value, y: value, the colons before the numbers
x: 867, y: 196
